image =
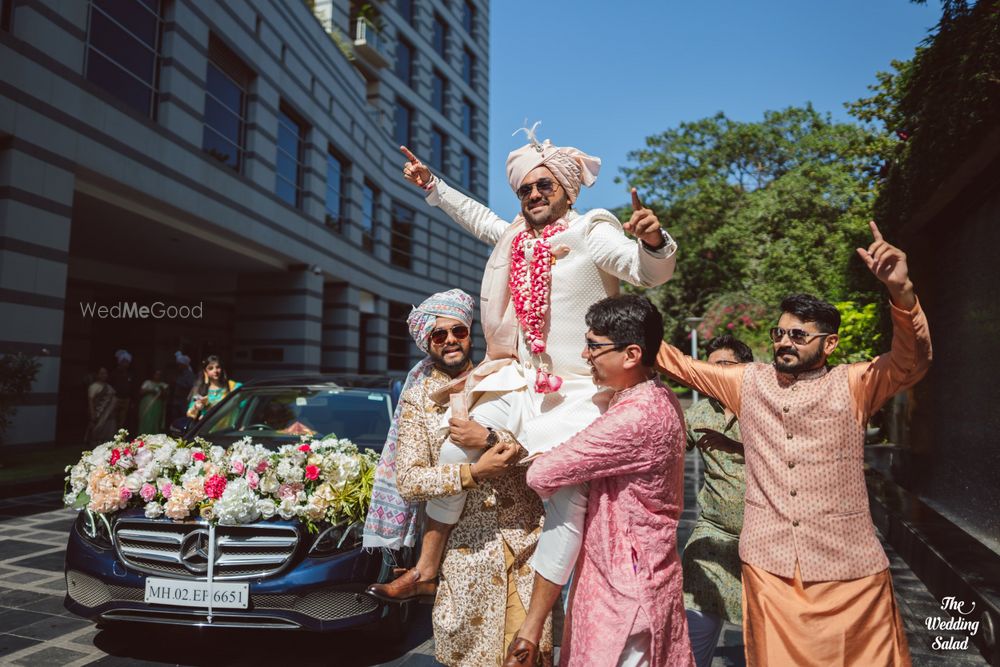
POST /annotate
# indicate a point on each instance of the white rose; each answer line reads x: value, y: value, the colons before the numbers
x: 266, y: 507
x: 287, y: 509
x: 134, y: 482
x: 153, y: 510
x: 181, y: 458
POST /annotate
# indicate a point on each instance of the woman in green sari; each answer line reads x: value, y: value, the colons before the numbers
x: 213, y: 386
x: 101, y: 425
x: 151, y: 404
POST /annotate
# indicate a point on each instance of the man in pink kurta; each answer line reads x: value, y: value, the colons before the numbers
x: 627, y: 605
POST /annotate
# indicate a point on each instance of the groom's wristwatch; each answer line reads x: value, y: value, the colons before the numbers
x: 491, y: 438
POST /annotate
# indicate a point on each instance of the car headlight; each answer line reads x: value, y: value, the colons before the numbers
x: 95, y: 528
x: 336, y: 539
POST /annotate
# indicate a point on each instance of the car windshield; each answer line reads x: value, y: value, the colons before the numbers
x: 278, y: 415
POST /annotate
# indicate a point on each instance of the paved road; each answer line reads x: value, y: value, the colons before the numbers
x: 36, y: 630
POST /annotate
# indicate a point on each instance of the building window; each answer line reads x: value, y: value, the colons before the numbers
x: 336, y: 190
x: 467, y: 118
x: 401, y: 244
x: 404, y: 62
x: 291, y: 133
x: 226, y: 82
x: 439, y: 36
x: 368, y: 197
x: 405, y: 9
x: 468, y: 17
x: 468, y: 66
x: 466, y: 167
x: 398, y: 358
x: 436, y: 157
x: 437, y: 90
x: 123, y: 44
x: 402, y: 124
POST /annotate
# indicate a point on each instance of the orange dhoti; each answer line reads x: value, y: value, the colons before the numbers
x: 821, y: 623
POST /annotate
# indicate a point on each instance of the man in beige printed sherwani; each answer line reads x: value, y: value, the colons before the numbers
x: 816, y: 584
x: 485, y: 579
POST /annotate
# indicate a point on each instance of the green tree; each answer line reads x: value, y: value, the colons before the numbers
x: 760, y: 209
x: 17, y: 372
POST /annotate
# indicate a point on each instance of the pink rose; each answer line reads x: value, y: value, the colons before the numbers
x: 305, y: 448
x: 730, y: 325
x: 289, y: 491
x: 214, y: 486
x: 261, y: 467
x: 198, y: 456
x: 167, y: 489
x: 124, y: 493
x: 312, y: 473
x: 115, y: 455
x: 253, y: 479
x: 148, y: 492
x: 238, y: 467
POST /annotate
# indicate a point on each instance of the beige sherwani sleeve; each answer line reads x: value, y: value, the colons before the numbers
x: 418, y: 477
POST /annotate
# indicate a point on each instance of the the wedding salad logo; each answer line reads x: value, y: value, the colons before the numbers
x: 955, y: 623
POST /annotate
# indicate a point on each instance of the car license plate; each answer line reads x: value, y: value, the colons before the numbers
x: 195, y: 593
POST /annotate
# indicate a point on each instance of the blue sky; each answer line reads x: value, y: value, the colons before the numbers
x: 603, y: 76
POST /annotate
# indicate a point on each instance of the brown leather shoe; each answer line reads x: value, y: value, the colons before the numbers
x: 405, y: 587
x: 521, y: 653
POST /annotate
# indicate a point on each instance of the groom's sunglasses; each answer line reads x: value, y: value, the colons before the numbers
x: 545, y: 187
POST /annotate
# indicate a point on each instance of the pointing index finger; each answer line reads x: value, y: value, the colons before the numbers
x: 875, y: 232
x: 409, y: 156
x: 636, y: 204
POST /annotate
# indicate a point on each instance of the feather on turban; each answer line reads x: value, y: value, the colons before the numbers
x: 571, y: 167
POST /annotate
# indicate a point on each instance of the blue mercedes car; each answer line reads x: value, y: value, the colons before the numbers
x: 270, y: 574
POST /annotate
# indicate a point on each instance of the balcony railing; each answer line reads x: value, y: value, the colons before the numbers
x: 369, y: 44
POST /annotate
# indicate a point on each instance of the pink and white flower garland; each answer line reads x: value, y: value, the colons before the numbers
x: 530, y: 286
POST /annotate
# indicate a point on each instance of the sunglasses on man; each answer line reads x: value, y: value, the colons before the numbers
x: 459, y: 331
x: 545, y: 187
x: 797, y: 336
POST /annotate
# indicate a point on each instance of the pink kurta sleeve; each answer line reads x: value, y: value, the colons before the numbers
x: 874, y: 382
x: 721, y: 382
x: 603, y: 449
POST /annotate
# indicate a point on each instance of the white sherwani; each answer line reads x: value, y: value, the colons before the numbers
x: 600, y: 257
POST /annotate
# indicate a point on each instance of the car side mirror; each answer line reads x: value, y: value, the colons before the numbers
x: 180, y: 426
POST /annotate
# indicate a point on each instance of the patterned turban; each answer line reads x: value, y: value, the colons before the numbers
x: 454, y: 303
x: 570, y: 166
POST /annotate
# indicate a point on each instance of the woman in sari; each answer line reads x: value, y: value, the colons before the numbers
x: 212, y: 387
x: 151, y: 405
x: 101, y: 410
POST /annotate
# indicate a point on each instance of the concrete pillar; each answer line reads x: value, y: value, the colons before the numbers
x: 36, y: 208
x: 278, y: 324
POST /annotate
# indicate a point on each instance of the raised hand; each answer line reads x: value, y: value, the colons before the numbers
x: 888, y: 264
x: 414, y: 170
x: 644, y: 224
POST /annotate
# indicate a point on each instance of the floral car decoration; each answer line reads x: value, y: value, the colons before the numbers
x: 315, y: 481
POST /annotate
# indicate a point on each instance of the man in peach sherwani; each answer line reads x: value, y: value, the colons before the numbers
x: 627, y: 604
x: 816, y: 584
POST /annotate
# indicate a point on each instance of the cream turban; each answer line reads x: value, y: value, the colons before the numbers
x: 570, y: 166
x: 455, y: 304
